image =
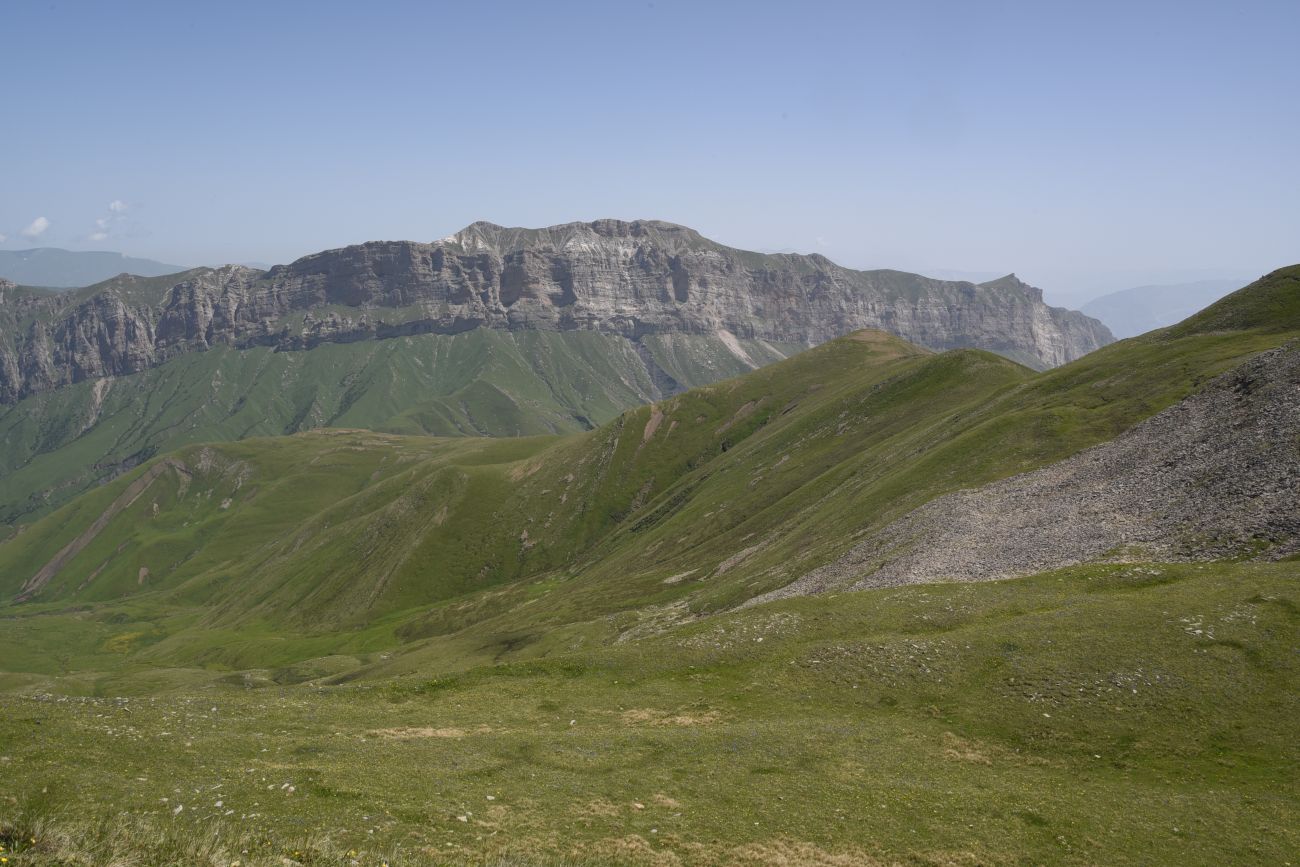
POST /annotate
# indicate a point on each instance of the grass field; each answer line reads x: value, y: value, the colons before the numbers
x: 1135, y: 714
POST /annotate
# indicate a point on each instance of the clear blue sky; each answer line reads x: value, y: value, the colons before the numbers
x: 1086, y: 146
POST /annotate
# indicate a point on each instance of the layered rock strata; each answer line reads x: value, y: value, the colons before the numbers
x: 626, y: 278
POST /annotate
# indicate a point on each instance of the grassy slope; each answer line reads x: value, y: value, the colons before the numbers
x: 951, y: 724
x: 442, y: 518
x: 804, y: 486
x: 485, y: 382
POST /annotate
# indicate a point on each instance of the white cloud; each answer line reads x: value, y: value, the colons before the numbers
x: 111, y: 224
x: 36, y: 229
x: 3, y: 237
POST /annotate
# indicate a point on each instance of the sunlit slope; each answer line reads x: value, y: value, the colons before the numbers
x: 479, y: 383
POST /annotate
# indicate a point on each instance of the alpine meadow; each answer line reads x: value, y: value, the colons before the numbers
x: 612, y: 542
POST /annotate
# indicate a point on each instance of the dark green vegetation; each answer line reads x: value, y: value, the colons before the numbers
x: 398, y: 627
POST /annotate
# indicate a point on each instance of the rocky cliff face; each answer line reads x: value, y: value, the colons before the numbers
x: 631, y: 279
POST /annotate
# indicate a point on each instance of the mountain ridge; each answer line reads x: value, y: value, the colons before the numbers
x: 629, y: 278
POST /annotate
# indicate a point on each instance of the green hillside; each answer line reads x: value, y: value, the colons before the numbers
x: 268, y: 552
x: 484, y: 382
x: 351, y: 639
x: 1269, y: 304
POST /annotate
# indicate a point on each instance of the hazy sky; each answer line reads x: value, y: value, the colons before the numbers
x: 1087, y: 146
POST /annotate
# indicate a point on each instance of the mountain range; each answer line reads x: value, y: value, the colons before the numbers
x: 491, y: 331
x: 1130, y: 312
x: 56, y: 268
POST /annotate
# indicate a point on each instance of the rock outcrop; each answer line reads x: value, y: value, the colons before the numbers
x: 632, y: 279
x: 1215, y: 476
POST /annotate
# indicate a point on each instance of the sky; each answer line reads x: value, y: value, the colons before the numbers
x: 1086, y: 146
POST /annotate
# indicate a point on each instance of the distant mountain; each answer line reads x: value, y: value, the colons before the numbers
x: 1130, y: 312
x: 64, y: 269
x: 638, y: 279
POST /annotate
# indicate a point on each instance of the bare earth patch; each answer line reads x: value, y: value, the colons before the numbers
x: 635, y: 849
x: 599, y: 807
x: 652, y: 717
x: 741, y: 414
x: 632, y: 849
x: 656, y: 419
x: 523, y: 470
x: 412, y: 732
x: 961, y: 750
x: 790, y: 853
x: 124, y: 501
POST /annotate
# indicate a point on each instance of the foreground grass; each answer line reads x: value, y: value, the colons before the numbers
x: 45, y: 839
x: 1104, y: 714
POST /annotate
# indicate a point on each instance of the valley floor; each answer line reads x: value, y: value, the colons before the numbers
x: 1097, y: 715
